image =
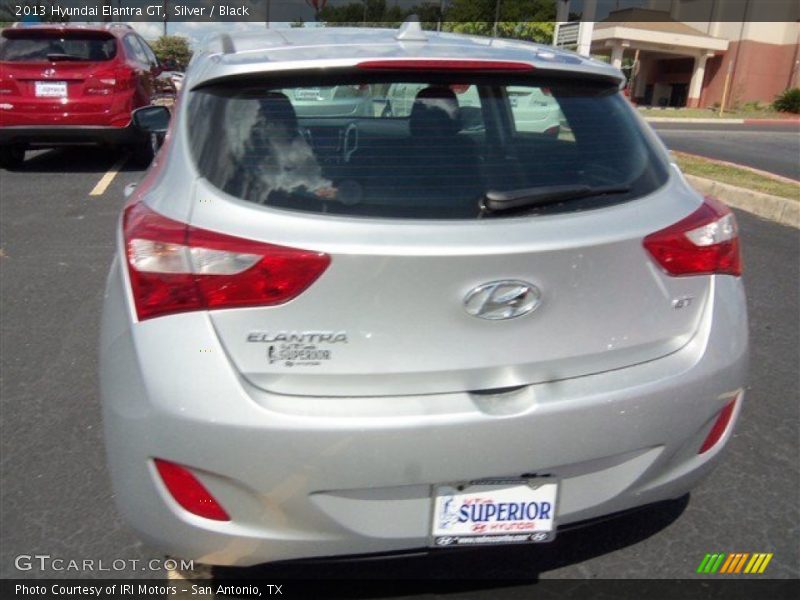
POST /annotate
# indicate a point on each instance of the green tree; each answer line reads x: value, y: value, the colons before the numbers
x: 531, y: 20
x: 173, y: 50
x: 376, y: 13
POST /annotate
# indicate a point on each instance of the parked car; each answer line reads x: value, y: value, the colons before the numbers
x: 332, y: 101
x: 534, y: 109
x: 67, y: 84
x: 177, y: 79
x: 336, y: 335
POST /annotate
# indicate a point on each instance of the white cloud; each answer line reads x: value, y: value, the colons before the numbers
x: 149, y: 31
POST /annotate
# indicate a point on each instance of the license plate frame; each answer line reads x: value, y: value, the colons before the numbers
x: 50, y: 89
x: 444, y: 532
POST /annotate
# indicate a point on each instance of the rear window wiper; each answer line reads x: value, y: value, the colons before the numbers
x: 54, y: 56
x: 497, y: 201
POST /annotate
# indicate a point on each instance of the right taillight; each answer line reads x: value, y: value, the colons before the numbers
x: 100, y: 85
x: 177, y: 268
x: 7, y: 86
x: 704, y: 243
x: 125, y: 79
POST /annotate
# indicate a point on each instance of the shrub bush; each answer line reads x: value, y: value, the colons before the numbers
x: 788, y: 101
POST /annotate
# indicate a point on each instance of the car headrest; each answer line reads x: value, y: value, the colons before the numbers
x: 275, y: 107
x: 435, y: 113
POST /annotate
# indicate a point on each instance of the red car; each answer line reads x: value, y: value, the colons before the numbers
x: 69, y: 84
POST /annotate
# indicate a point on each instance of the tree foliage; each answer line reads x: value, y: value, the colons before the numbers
x: 532, y: 20
x: 376, y: 13
x: 173, y: 50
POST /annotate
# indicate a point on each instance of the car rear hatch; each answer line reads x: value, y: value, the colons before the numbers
x: 57, y: 76
x: 425, y: 291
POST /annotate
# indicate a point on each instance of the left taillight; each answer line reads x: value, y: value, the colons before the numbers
x: 704, y: 243
x: 177, y: 268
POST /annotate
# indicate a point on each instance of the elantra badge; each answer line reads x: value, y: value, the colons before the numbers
x: 502, y: 300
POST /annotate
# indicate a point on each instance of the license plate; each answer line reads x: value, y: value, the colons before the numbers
x: 51, y: 89
x: 307, y: 94
x: 495, y: 512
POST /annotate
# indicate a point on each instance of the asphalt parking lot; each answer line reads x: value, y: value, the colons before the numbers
x: 56, y: 243
x: 773, y: 147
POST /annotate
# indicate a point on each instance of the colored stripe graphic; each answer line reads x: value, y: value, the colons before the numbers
x: 740, y: 564
x: 754, y: 563
x: 704, y: 564
x: 734, y: 563
x: 727, y: 564
x: 717, y: 563
x: 765, y: 563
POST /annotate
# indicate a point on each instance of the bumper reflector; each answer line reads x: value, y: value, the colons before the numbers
x: 720, y: 425
x: 187, y: 491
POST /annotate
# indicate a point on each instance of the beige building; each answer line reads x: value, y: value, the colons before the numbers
x: 687, y: 63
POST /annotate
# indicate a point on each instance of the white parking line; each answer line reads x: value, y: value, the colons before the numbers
x: 106, y: 179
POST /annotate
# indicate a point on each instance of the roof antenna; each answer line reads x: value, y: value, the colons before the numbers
x: 411, y: 31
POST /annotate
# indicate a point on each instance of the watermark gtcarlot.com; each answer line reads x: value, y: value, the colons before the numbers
x: 47, y: 562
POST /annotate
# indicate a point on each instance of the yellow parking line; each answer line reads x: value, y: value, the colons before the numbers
x: 106, y: 179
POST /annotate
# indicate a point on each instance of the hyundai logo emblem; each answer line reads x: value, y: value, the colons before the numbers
x: 502, y: 300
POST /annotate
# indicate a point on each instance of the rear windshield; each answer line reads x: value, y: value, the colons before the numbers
x: 420, y: 147
x: 41, y: 46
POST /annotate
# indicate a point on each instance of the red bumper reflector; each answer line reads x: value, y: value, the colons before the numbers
x: 720, y: 425
x: 187, y: 491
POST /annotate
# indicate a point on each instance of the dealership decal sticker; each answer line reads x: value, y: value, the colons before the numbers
x: 298, y: 348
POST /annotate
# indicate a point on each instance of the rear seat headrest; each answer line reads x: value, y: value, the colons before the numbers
x: 435, y: 113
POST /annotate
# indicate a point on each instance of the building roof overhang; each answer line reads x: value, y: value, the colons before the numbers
x: 655, y: 31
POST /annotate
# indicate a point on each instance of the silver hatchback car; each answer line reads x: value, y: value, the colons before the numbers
x: 333, y: 335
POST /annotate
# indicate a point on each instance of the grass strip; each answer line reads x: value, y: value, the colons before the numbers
x: 693, y: 165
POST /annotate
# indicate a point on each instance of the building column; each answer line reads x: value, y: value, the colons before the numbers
x: 587, y: 27
x: 675, y: 10
x: 696, y: 85
x: 617, y: 52
x: 562, y: 16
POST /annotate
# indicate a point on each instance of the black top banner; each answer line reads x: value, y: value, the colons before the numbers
x: 392, y: 11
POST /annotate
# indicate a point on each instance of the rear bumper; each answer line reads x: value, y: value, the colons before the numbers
x: 309, y: 476
x: 51, y: 135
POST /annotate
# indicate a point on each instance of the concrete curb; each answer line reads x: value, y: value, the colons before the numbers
x: 772, y: 121
x: 781, y: 210
x: 705, y: 121
x: 691, y: 120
